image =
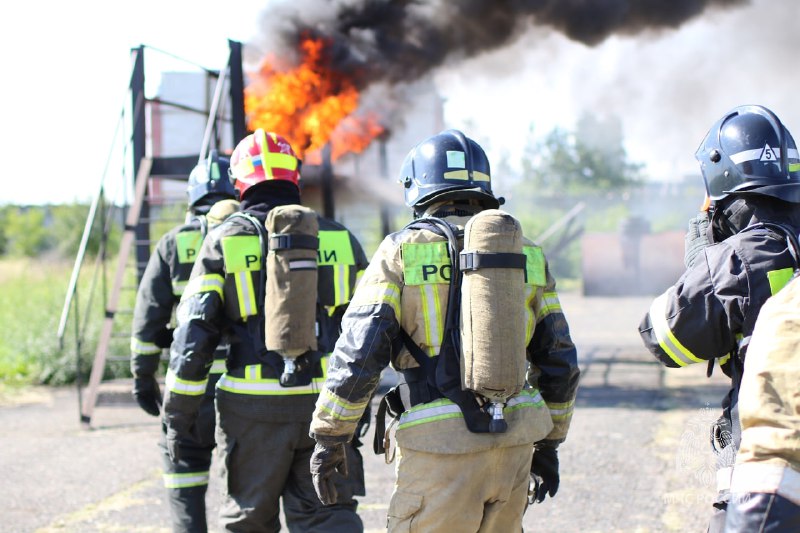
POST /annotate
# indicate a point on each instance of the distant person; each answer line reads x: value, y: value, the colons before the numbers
x: 275, y: 279
x: 741, y: 249
x: 211, y: 199
x: 631, y: 231
x: 765, y: 489
x: 465, y: 459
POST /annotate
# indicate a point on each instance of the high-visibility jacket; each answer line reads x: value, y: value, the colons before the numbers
x: 390, y: 298
x: 710, y: 313
x: 768, y: 460
x: 225, y: 298
x: 160, y: 290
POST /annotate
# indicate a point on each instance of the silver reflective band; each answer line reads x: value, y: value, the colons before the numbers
x: 303, y: 264
x: 191, y: 479
x: 218, y: 366
x: 266, y: 387
x: 767, y: 479
x: 755, y: 155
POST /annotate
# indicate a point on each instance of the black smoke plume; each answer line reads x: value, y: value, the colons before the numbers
x: 401, y: 40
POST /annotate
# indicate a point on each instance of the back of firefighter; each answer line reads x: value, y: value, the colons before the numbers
x: 740, y: 250
x: 765, y: 489
x: 448, y: 477
x: 262, y: 432
x: 211, y: 199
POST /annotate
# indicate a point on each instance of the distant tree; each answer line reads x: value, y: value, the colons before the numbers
x: 25, y: 231
x: 68, y: 221
x: 589, y: 160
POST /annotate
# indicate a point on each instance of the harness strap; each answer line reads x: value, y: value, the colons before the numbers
x: 476, y: 260
x: 286, y: 241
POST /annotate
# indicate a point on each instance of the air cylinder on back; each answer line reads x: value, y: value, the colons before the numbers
x: 291, y: 286
x: 493, y: 306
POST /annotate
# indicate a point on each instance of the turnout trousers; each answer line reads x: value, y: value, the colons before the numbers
x: 264, y: 462
x: 187, y: 480
x: 483, y: 491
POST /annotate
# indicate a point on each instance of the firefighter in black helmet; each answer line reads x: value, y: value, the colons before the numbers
x: 211, y: 198
x: 740, y: 250
x: 461, y: 465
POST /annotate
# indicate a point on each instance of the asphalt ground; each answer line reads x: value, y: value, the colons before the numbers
x: 636, y: 460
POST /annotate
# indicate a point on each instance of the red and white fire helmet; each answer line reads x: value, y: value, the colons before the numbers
x: 263, y: 156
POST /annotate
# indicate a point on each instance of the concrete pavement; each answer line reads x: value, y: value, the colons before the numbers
x: 636, y: 460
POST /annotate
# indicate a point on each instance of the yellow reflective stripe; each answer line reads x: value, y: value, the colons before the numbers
x: 666, y: 339
x: 245, y: 293
x: 188, y: 479
x: 179, y: 287
x: 779, y: 278
x: 530, y: 293
x: 184, y: 386
x: 560, y: 411
x: 444, y: 409
x: 376, y: 294
x: 341, y: 284
x: 724, y: 359
x: 550, y: 304
x: 324, y: 364
x: 431, y: 314
x: 338, y: 408
x: 480, y: 176
x: 205, y: 283
x: 429, y: 412
x: 144, y: 348
x: 218, y: 366
x: 257, y: 386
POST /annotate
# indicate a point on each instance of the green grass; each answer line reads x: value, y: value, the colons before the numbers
x: 33, y: 293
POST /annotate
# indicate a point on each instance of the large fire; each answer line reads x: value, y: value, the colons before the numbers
x: 310, y: 104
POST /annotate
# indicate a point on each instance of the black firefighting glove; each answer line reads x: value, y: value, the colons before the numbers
x: 544, y: 471
x: 173, y: 449
x: 328, y: 459
x: 696, y: 238
x: 147, y: 394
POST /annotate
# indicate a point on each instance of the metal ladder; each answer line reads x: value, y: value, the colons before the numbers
x: 136, y: 241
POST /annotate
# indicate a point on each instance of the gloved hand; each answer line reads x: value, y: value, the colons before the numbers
x: 147, y: 394
x: 544, y: 469
x: 328, y: 458
x: 172, y: 445
x: 696, y: 238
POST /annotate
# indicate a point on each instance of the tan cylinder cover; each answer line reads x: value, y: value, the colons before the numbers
x: 493, y: 361
x: 291, y: 295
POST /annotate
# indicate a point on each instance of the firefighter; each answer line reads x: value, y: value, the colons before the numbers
x: 449, y: 478
x: 765, y: 488
x: 262, y: 420
x: 211, y: 197
x: 740, y: 251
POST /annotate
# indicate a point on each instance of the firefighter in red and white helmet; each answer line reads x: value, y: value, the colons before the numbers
x: 263, y: 420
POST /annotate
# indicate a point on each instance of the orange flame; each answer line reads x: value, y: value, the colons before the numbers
x: 310, y: 104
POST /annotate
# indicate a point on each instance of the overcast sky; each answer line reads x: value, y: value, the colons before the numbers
x: 67, y: 66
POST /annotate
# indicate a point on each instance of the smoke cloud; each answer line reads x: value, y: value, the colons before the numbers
x: 396, y: 41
